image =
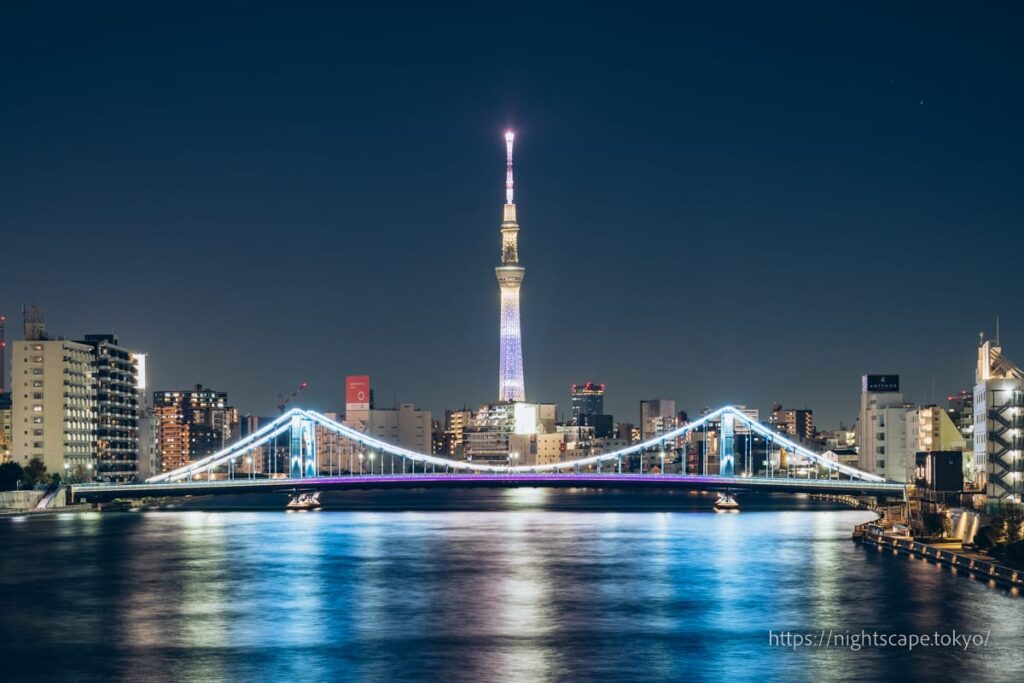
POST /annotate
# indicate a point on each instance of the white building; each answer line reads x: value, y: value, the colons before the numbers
x: 998, y: 424
x: 53, y: 409
x: 881, y: 429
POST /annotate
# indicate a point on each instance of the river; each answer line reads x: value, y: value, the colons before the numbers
x: 518, y: 585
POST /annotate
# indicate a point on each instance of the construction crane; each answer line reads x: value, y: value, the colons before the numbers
x: 283, y: 400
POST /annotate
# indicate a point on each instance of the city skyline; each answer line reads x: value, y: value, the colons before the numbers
x: 301, y: 240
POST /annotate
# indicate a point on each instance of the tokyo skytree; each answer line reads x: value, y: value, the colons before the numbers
x: 510, y: 278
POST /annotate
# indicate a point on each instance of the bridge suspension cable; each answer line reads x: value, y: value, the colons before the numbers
x: 286, y: 422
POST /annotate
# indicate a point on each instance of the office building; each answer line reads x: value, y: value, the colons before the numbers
x: 657, y: 417
x: 587, y: 399
x: 998, y: 425
x: 406, y: 426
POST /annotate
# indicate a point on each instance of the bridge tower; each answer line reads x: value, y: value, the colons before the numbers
x: 510, y: 278
x: 726, y: 467
x: 302, y: 449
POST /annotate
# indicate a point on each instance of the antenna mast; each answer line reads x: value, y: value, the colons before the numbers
x: 509, y: 139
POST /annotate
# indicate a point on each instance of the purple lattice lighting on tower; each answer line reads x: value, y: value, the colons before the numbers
x: 510, y: 278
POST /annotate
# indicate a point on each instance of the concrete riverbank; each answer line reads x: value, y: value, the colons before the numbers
x: 1008, y: 577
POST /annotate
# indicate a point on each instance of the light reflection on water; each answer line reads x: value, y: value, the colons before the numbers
x: 520, y: 594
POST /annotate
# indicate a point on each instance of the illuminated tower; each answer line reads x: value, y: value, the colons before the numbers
x: 510, y: 278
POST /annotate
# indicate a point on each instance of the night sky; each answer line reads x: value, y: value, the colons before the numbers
x: 740, y: 205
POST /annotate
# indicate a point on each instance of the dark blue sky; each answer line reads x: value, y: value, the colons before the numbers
x: 741, y: 205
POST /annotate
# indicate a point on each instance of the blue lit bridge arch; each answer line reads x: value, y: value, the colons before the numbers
x: 310, y: 468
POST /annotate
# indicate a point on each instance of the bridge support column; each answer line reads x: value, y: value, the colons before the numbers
x: 727, y: 456
x: 302, y: 449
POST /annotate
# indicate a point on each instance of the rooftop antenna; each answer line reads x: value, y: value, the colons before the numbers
x: 997, y: 330
x: 509, y: 139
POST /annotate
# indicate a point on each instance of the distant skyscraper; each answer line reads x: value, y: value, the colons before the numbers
x: 587, y: 399
x: 510, y: 277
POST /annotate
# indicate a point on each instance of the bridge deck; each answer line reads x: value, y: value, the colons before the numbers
x: 106, y: 492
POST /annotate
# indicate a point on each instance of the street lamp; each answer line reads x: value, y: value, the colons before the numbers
x: 248, y: 462
x: 360, y: 462
x: 512, y: 457
x: 371, y: 463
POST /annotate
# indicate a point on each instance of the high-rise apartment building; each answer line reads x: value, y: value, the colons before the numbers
x: 192, y: 424
x: 998, y: 425
x: 53, y: 394
x: 116, y: 375
x: 794, y: 422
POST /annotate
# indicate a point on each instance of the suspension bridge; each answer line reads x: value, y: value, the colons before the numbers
x: 304, y: 451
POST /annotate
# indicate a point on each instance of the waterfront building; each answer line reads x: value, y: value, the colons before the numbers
x: 930, y: 429
x: 116, y: 372
x: 511, y: 386
x: 998, y: 425
x: 657, y: 417
x: 54, y: 405
x: 797, y: 423
x: 587, y: 399
x: 881, y: 432
x: 191, y: 424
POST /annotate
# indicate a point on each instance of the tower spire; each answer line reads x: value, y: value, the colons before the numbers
x: 509, y: 139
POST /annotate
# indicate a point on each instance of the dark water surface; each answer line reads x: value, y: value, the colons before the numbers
x: 536, y: 585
